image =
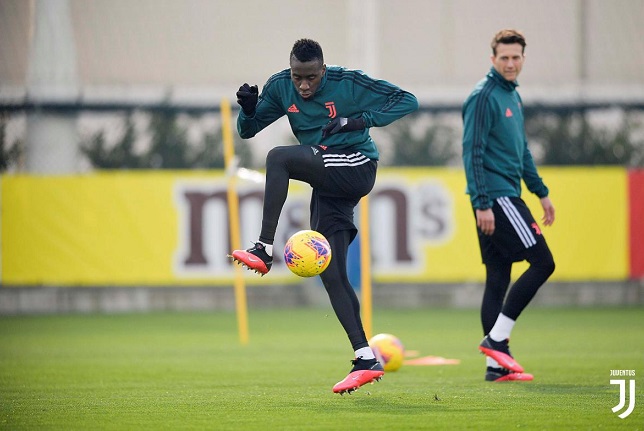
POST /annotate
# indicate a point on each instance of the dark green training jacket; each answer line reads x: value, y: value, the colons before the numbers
x: 342, y: 93
x: 495, y: 149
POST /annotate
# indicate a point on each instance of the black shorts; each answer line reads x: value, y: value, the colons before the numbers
x: 348, y: 176
x: 516, y: 233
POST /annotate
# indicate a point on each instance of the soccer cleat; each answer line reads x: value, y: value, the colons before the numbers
x: 364, y: 371
x: 254, y: 258
x: 500, y: 352
x: 503, y: 375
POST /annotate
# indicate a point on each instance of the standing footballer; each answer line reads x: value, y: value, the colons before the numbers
x: 496, y: 159
x: 330, y: 110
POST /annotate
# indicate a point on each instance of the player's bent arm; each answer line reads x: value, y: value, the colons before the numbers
x: 380, y: 101
x: 246, y: 127
x: 398, y: 104
x: 265, y: 114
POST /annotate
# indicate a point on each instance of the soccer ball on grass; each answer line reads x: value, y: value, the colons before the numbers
x: 389, y: 351
x: 307, y: 253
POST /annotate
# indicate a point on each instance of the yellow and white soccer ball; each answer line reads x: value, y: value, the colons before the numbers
x: 389, y: 350
x: 307, y: 253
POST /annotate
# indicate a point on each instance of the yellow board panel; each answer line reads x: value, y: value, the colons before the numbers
x: 118, y: 229
x: 84, y: 230
x: 136, y: 228
x: 589, y: 238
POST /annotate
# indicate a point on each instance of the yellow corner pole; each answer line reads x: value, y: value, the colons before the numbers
x: 365, y: 267
x: 233, y: 216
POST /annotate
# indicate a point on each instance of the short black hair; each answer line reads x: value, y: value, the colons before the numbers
x: 508, y: 36
x: 307, y: 50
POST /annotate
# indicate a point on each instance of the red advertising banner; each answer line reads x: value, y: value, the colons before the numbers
x: 636, y: 222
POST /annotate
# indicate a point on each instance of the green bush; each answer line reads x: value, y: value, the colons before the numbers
x: 169, y: 147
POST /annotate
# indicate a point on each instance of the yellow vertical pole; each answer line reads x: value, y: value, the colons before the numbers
x: 365, y: 267
x: 233, y: 217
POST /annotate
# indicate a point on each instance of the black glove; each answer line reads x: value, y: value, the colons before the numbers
x: 343, y: 125
x: 247, y: 98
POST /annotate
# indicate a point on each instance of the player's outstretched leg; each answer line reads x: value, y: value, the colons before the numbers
x: 502, y: 375
x: 255, y: 258
x: 364, y: 371
x: 500, y: 352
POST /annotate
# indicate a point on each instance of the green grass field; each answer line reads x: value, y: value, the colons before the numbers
x: 189, y: 371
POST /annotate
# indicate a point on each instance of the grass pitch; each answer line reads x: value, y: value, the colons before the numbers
x: 189, y: 371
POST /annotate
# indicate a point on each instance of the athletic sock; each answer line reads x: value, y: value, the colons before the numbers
x: 491, y: 362
x: 502, y: 328
x: 365, y: 353
x: 267, y: 247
